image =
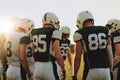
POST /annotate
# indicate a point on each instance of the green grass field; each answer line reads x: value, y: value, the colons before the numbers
x: 80, y: 72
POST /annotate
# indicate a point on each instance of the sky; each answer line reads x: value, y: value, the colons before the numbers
x: 66, y: 10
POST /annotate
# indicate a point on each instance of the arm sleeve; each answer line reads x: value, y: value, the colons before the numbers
x: 57, y: 35
x: 77, y: 36
x: 117, y: 39
x: 25, y: 40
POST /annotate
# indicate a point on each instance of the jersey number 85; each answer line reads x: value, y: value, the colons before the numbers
x: 39, y: 40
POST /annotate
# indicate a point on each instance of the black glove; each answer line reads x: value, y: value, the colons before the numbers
x: 63, y: 75
x: 4, y: 75
x: 111, y: 75
x: 74, y: 77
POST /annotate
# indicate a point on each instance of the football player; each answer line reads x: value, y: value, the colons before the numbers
x: 28, y: 57
x: 95, y: 42
x: 15, y: 46
x: 65, y: 47
x: 114, y: 26
x: 46, y: 49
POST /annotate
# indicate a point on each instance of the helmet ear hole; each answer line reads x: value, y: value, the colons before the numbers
x: 29, y: 29
x: 115, y: 24
x: 32, y: 26
x: 51, y: 22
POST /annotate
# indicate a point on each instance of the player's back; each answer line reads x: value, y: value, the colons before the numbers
x: 115, y: 40
x: 42, y: 40
x: 64, y: 45
x: 12, y: 45
x: 95, y: 45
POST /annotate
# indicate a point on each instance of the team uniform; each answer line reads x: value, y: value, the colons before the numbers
x: 30, y: 59
x: 64, y: 46
x: 116, y: 40
x: 45, y: 67
x: 13, y: 40
x: 94, y: 41
x: 28, y: 25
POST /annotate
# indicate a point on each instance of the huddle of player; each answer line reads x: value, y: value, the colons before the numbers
x: 30, y: 53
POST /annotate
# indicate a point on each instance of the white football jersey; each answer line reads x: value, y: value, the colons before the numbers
x: 117, y: 39
x: 57, y: 35
x: 12, y: 46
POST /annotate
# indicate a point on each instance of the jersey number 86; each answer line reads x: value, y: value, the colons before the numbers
x: 97, y: 41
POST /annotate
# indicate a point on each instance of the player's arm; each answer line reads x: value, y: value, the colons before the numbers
x: 110, y: 53
x: 23, y: 57
x: 79, y: 46
x: 117, y: 54
x: 56, y: 47
x: 58, y: 55
x: 3, y: 57
x: 69, y: 57
x: 116, y: 41
x: 77, y: 59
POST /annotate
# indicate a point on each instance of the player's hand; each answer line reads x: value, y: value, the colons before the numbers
x: 4, y: 75
x: 63, y: 75
x: 111, y: 75
x: 70, y: 69
x: 29, y: 76
x: 74, y: 77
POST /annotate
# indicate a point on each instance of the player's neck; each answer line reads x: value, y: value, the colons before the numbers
x: 48, y: 26
x: 88, y: 25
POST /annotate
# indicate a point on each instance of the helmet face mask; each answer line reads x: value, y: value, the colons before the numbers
x: 113, y: 25
x: 109, y: 26
x: 82, y: 17
x: 51, y: 18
